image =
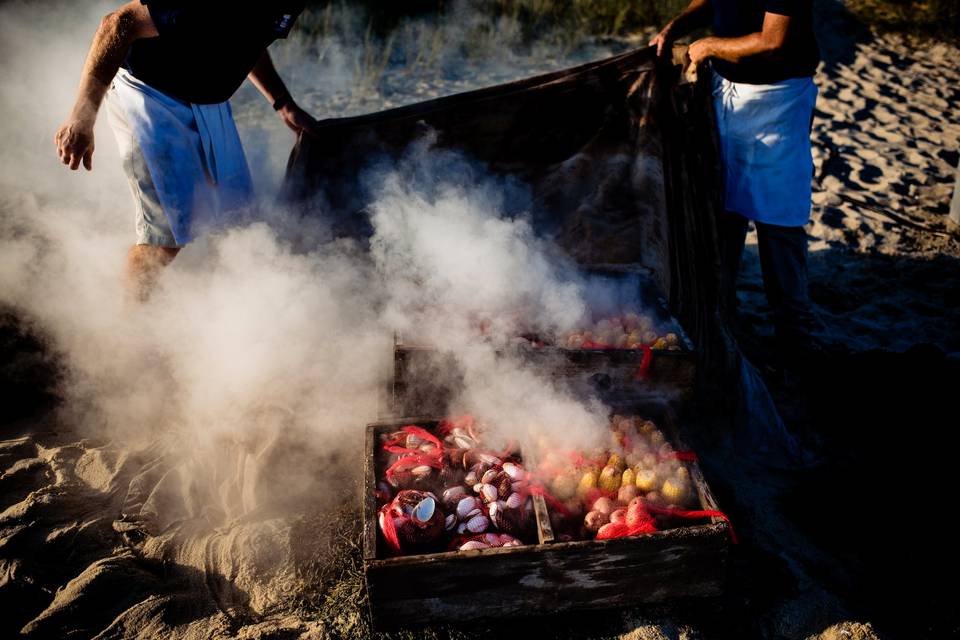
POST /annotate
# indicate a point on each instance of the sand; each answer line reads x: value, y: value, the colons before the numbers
x: 119, y: 540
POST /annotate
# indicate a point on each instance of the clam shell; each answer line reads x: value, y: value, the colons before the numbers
x: 450, y: 522
x: 425, y: 509
x: 453, y: 496
x: 450, y: 476
x: 490, y: 459
x: 466, y: 506
x: 488, y: 492
x: 471, y: 478
x: 464, y: 442
x: 478, y: 524
x: 422, y: 470
x: 514, y: 501
x: 473, y: 545
x: 501, y: 518
x: 514, y: 471
x: 489, y: 476
x: 496, y: 505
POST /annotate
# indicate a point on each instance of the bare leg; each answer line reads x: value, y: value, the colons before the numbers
x: 144, y: 264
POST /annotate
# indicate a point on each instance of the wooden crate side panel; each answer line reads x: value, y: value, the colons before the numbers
x: 680, y: 563
x: 425, y: 379
x: 369, y: 499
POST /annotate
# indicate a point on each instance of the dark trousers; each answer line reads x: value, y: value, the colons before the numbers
x: 783, y: 259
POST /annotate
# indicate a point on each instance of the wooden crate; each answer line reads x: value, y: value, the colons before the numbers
x: 424, y: 377
x: 542, y: 578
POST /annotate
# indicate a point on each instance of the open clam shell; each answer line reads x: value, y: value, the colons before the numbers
x: 425, y: 509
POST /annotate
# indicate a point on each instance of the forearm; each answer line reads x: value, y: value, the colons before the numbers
x: 267, y: 81
x: 110, y: 46
x: 736, y: 49
x: 265, y: 78
x: 768, y: 41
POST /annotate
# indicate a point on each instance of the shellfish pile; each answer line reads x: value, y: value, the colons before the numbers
x: 637, y: 474
x: 484, y: 499
x: 626, y: 331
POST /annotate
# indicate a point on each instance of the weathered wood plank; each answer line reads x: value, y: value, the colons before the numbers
x: 686, y: 562
x: 369, y: 499
x: 544, y: 526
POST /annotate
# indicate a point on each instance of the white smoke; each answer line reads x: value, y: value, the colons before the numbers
x: 242, y: 323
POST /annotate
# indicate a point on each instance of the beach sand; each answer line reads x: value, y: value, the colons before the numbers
x: 117, y: 539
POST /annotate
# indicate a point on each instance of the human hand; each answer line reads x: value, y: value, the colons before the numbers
x: 663, y: 39
x: 74, y: 142
x: 700, y: 51
x: 297, y: 120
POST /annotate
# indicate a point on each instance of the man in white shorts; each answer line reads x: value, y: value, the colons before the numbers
x: 764, y: 56
x: 170, y: 67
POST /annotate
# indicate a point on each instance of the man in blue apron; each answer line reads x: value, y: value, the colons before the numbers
x: 169, y: 68
x: 763, y: 56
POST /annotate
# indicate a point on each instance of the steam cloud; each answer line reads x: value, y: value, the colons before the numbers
x: 243, y: 325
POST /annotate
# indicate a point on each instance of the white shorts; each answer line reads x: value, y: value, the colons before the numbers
x: 150, y: 222
x: 184, y: 162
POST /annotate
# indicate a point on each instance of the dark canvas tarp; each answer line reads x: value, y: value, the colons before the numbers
x: 619, y: 157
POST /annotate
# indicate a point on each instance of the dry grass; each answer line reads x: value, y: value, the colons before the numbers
x: 427, y: 38
x: 937, y: 19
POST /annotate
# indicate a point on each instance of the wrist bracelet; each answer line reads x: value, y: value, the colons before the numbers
x: 282, y: 101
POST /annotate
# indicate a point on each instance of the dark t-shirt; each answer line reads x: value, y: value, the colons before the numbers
x: 798, y: 58
x: 207, y: 47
